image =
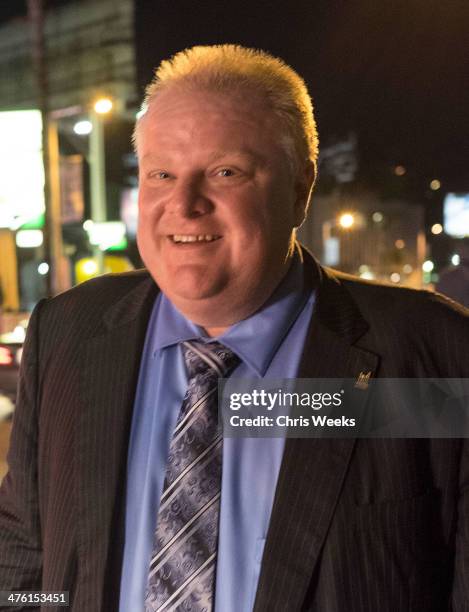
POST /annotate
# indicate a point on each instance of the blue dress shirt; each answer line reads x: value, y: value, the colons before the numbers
x: 269, y: 344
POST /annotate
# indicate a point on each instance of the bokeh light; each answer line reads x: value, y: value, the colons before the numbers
x: 346, y: 220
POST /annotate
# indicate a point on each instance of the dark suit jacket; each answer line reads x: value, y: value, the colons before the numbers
x: 357, y: 525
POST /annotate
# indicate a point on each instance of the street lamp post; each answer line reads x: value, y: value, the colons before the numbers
x: 98, y: 169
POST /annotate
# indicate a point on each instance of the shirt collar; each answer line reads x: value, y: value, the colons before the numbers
x: 255, y: 339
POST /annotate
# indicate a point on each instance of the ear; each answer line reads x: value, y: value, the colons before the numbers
x: 303, y: 188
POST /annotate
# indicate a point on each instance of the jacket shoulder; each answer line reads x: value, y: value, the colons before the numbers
x: 425, y: 332
x: 403, y: 303
x: 80, y: 310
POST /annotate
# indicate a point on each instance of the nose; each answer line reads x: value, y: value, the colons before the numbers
x: 188, y: 199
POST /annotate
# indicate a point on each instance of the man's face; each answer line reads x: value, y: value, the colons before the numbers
x: 217, y: 204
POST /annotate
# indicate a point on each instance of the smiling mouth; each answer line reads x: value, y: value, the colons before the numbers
x: 193, y: 238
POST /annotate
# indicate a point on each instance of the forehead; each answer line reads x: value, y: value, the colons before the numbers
x: 190, y: 118
x: 194, y: 99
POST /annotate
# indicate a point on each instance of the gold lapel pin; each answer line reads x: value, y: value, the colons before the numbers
x: 363, y: 380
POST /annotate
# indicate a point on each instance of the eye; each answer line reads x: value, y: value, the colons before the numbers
x: 225, y: 172
x: 159, y: 175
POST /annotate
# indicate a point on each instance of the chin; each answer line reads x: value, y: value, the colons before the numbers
x: 217, y: 308
x: 207, y: 306
x: 193, y: 290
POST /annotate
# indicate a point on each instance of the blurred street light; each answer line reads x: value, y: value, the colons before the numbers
x: 83, y: 127
x: 377, y: 217
x: 435, y: 185
x: 399, y: 170
x: 330, y: 243
x: 365, y: 272
x: 437, y: 228
x: 455, y: 259
x: 428, y: 265
x: 399, y: 244
x: 105, y: 235
x: 89, y: 267
x: 346, y: 220
x: 43, y: 268
x: 103, y: 106
x: 29, y: 238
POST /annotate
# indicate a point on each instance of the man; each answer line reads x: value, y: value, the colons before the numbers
x: 129, y: 501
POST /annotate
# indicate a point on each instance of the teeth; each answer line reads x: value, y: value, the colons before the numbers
x: 194, y: 238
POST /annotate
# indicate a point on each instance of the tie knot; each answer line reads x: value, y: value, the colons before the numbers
x: 212, y: 357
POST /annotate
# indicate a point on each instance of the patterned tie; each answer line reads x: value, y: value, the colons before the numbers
x: 182, y: 567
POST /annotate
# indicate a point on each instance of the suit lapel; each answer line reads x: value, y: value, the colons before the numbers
x: 313, y: 470
x: 110, y: 368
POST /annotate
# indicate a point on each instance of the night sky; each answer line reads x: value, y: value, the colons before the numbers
x: 394, y: 71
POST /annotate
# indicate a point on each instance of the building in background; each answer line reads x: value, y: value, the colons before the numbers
x: 362, y: 235
x: 89, y: 54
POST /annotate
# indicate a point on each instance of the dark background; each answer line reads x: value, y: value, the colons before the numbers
x: 395, y: 72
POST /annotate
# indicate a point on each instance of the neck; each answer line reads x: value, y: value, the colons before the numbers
x: 218, y: 329
x: 213, y: 332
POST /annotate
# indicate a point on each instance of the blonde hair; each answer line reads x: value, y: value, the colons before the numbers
x: 232, y: 68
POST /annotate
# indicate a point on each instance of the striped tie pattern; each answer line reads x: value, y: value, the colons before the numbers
x: 182, y: 567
